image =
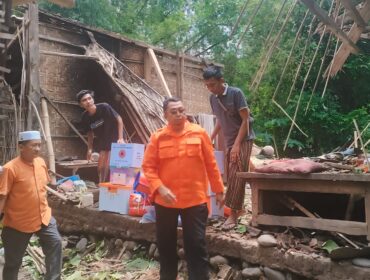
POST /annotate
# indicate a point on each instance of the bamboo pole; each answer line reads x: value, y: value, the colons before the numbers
x: 362, y: 143
x: 49, y: 143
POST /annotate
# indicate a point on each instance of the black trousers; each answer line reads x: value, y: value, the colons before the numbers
x: 194, y: 221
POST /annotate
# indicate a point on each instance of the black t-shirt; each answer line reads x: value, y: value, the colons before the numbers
x: 104, y: 125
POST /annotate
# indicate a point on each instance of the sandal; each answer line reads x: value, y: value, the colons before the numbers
x: 229, y: 224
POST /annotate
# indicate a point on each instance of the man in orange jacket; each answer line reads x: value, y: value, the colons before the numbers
x: 178, y: 163
x: 23, y: 200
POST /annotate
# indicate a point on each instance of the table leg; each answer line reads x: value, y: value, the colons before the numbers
x: 367, y: 213
x: 256, y: 204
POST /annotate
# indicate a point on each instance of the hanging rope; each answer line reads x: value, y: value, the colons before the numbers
x: 274, y: 23
x: 220, y: 41
x: 336, y: 14
x: 290, y: 53
x: 249, y: 23
x: 258, y: 77
x: 335, y: 51
x: 299, y: 99
x: 238, y: 19
x: 302, y: 59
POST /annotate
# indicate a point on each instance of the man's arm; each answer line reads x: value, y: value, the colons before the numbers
x: 120, y: 129
x: 243, y: 131
x: 216, y: 130
x: 90, y: 141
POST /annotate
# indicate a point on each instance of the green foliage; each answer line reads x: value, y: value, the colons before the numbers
x: 204, y: 27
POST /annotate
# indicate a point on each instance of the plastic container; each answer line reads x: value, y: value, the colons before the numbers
x: 114, y: 198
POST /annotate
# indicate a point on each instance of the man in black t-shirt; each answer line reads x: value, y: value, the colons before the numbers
x: 103, y: 122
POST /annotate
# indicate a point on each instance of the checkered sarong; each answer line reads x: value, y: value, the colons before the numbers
x: 235, y: 186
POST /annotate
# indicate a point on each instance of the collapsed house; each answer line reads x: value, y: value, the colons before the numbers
x: 131, y: 76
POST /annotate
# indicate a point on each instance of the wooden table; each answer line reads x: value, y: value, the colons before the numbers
x: 352, y: 184
x: 77, y: 164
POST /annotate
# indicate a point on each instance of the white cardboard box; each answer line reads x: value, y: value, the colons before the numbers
x: 126, y: 155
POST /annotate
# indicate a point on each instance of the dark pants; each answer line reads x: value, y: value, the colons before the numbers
x: 194, y: 220
x: 15, y: 244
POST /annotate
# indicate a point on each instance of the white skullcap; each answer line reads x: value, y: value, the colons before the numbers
x: 29, y: 135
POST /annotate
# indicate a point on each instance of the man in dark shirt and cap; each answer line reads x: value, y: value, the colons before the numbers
x: 103, y: 122
x: 234, y: 119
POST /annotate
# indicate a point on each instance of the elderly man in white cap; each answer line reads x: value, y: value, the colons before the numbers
x: 23, y: 201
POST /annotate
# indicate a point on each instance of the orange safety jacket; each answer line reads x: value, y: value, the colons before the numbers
x: 183, y: 162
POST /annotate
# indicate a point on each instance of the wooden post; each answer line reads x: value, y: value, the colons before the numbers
x: 158, y: 71
x: 49, y: 144
x: 180, y: 75
x: 33, y: 59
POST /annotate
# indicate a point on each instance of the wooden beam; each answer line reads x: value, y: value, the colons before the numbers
x: 61, y: 41
x: 63, y: 117
x: 322, y: 15
x: 63, y: 54
x: 354, y: 13
x: 347, y: 227
x: 344, y: 50
x: 33, y: 58
x: 158, y: 71
x: 7, y: 107
x: 180, y: 75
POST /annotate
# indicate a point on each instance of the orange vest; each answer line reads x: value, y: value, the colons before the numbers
x: 183, y: 162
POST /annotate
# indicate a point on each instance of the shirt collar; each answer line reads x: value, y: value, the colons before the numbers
x: 225, y: 91
x: 168, y: 130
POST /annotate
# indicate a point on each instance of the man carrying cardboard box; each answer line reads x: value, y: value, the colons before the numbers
x: 103, y: 122
x: 177, y: 162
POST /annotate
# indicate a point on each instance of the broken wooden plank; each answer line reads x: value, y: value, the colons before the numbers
x: 355, y: 15
x: 158, y: 71
x: 347, y: 227
x: 4, y: 69
x: 64, y: 118
x: 322, y: 15
x: 344, y: 50
x: 6, y: 36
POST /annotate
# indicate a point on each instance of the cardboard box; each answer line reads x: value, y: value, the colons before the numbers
x: 213, y: 209
x: 123, y: 176
x: 126, y: 155
x: 114, y: 198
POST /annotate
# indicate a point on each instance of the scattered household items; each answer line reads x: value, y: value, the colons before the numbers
x: 73, y: 190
